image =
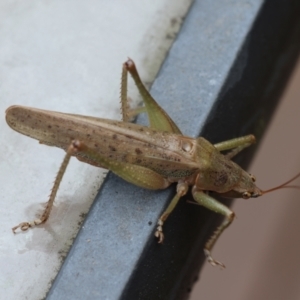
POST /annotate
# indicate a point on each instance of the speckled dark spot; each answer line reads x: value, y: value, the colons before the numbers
x: 114, y: 136
x: 112, y: 148
x: 138, y: 151
x: 219, y: 178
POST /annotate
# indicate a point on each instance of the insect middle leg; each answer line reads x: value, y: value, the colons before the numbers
x: 181, y: 190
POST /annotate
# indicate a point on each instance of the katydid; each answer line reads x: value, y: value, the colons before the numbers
x: 151, y: 157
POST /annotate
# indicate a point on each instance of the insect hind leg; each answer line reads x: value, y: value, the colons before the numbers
x: 137, y: 175
x: 158, y: 118
x: 45, y: 215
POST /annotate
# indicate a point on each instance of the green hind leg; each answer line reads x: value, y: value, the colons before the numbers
x: 158, y: 118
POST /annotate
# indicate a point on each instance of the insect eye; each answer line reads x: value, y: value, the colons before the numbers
x: 246, y: 195
x: 252, y: 177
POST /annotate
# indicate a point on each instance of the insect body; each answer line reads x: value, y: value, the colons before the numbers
x: 151, y: 157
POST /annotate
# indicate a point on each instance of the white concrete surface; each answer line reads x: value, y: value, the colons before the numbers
x: 64, y: 56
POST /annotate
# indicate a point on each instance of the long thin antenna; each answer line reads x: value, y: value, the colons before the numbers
x: 284, y: 185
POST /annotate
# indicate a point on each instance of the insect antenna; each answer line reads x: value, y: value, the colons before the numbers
x: 284, y: 185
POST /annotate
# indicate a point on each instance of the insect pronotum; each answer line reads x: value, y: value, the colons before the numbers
x: 151, y: 157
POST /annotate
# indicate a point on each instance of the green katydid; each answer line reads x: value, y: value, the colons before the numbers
x: 151, y: 157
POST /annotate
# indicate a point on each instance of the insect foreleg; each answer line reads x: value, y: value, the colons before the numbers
x: 237, y: 144
x: 182, y: 189
x: 44, y: 217
x: 214, y: 205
